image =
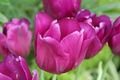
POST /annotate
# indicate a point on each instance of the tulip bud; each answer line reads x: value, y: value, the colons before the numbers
x: 61, y: 8
x: 102, y: 27
x: 114, y: 41
x: 63, y: 46
x: 15, y: 69
x: 18, y: 36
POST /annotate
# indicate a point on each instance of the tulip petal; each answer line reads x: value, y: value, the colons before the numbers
x: 42, y: 23
x: 88, y: 30
x: 4, y: 77
x: 106, y: 20
x: 3, y: 45
x: 114, y: 44
x: 117, y: 22
x: 25, y: 67
x: 54, y: 31
x: 15, y: 23
x: 72, y: 44
x: 50, y: 56
x: 82, y: 15
x: 19, y: 40
x: 61, y: 8
x: 14, y: 69
x: 68, y: 26
x: 35, y: 75
x: 94, y: 47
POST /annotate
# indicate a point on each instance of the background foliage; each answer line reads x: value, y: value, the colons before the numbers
x: 104, y: 66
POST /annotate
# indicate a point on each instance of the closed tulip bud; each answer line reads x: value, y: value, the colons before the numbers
x: 114, y: 41
x: 18, y: 36
x: 63, y: 46
x: 12, y: 68
x: 61, y: 8
x: 101, y: 25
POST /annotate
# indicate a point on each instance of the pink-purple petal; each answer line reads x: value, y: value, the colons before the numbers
x: 68, y: 26
x: 61, y: 8
x: 54, y: 31
x: 22, y: 37
x: 25, y: 68
x: 3, y: 45
x: 72, y: 45
x: 42, y: 23
x: 49, y: 53
x: 114, y: 44
x: 4, y: 77
x: 35, y: 75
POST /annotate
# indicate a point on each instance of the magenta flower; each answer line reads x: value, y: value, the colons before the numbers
x: 101, y: 25
x: 16, y: 37
x: 63, y: 45
x: 61, y: 8
x: 12, y: 68
x: 114, y: 41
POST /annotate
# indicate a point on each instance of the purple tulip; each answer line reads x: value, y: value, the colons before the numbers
x: 12, y: 68
x: 114, y: 41
x: 102, y: 27
x: 16, y: 37
x: 63, y: 45
x: 61, y: 8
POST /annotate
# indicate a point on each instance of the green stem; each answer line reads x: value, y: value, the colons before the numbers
x: 113, y: 70
x: 54, y: 77
x: 100, y: 71
x: 42, y: 75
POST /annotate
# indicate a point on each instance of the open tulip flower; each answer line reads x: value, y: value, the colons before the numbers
x: 102, y: 26
x: 16, y: 68
x: 60, y: 45
x: 16, y: 37
x: 61, y: 8
x: 114, y: 41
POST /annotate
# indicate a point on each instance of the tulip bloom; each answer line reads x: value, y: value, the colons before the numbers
x: 61, y: 8
x: 114, y: 41
x: 61, y: 46
x: 101, y: 25
x: 15, y: 69
x: 16, y: 37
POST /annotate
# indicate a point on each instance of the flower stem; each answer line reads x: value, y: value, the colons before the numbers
x: 54, y: 77
x: 42, y: 75
x: 100, y: 71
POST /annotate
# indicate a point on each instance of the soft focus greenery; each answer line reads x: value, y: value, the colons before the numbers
x: 104, y: 66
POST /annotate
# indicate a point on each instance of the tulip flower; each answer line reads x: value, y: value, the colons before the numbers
x: 12, y: 68
x: 63, y: 45
x: 16, y: 37
x: 101, y: 25
x: 61, y: 8
x: 114, y: 41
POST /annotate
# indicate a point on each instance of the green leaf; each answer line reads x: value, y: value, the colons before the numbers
x: 107, y: 7
x: 3, y: 19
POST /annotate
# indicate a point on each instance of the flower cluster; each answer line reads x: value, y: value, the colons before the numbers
x: 65, y: 35
x: 15, y: 42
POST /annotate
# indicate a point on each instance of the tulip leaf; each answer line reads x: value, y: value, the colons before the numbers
x: 3, y: 19
x: 4, y: 2
x: 107, y: 7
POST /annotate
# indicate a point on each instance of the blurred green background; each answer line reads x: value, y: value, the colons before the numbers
x: 104, y: 66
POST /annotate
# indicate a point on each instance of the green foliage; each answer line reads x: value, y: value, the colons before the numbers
x: 104, y: 66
